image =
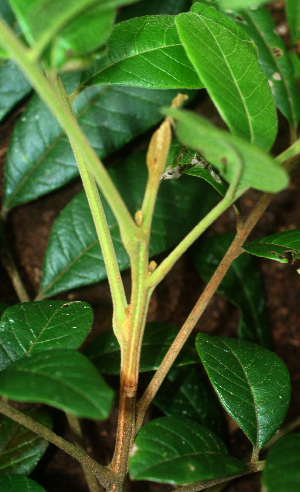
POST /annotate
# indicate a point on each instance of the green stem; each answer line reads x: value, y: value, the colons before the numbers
x: 103, y: 474
x: 74, y: 424
x: 21, y: 55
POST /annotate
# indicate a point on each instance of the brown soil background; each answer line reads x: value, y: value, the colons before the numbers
x: 28, y: 228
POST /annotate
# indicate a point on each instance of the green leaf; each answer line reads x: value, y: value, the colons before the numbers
x: 241, y: 4
x: 62, y: 378
x: 41, y: 20
x: 184, y: 395
x: 292, y: 8
x: 20, y: 448
x: 3, y: 307
x: 6, y: 12
x: 155, y: 7
x: 40, y: 158
x: 83, y: 35
x: 19, y: 483
x: 276, y: 246
x: 281, y: 472
x: 13, y: 87
x: 226, y: 61
x: 182, y: 160
x: 241, y: 285
x: 177, y: 451
x: 229, y: 153
x: 253, y: 384
x: 144, y: 52
x: 274, y: 60
x: 73, y: 257
x: 104, y: 350
x: 33, y: 327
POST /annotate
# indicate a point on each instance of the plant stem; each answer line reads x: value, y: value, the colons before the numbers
x: 10, y: 266
x: 103, y: 474
x: 233, y: 252
x: 21, y: 55
x: 74, y: 424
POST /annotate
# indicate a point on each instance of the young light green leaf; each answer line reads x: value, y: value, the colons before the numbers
x: 242, y: 285
x: 184, y: 395
x: 41, y: 20
x: 13, y: 87
x: 19, y: 483
x: 226, y: 61
x: 155, y: 7
x: 73, y: 257
x: 276, y: 246
x: 281, y: 472
x: 177, y: 451
x: 273, y: 58
x: 182, y: 160
x: 40, y: 158
x: 33, y: 327
x: 104, y: 350
x: 144, y: 52
x: 229, y: 153
x: 20, y: 448
x: 292, y: 8
x: 64, y: 379
x: 253, y: 384
x: 241, y: 4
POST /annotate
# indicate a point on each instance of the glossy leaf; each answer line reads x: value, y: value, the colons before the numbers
x: 252, y: 383
x: 104, y: 350
x: 230, y: 72
x: 276, y: 246
x: 229, y: 153
x: 41, y: 20
x: 292, y: 8
x: 13, y: 87
x: 155, y: 7
x: 40, y: 158
x: 20, y: 448
x: 178, y: 451
x: 242, y: 285
x: 19, y: 483
x: 281, y: 472
x: 144, y: 52
x: 33, y: 327
x: 73, y: 257
x: 184, y: 395
x: 182, y: 160
x: 274, y: 60
x: 64, y: 379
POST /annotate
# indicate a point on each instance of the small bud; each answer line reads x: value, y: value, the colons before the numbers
x: 152, y: 267
x: 139, y: 217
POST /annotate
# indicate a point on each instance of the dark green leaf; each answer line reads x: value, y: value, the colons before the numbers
x: 144, y: 52
x: 242, y: 285
x: 3, y: 307
x: 252, y: 383
x: 281, y: 472
x: 230, y: 72
x: 73, y: 257
x: 276, y: 246
x: 64, y: 379
x: 155, y: 7
x: 180, y: 451
x: 292, y: 8
x: 274, y: 60
x: 33, y: 327
x: 13, y: 87
x: 20, y: 448
x: 40, y: 158
x: 184, y: 395
x: 104, y: 350
x: 41, y: 20
x: 6, y: 12
x: 229, y: 153
x: 182, y: 160
x: 19, y: 483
